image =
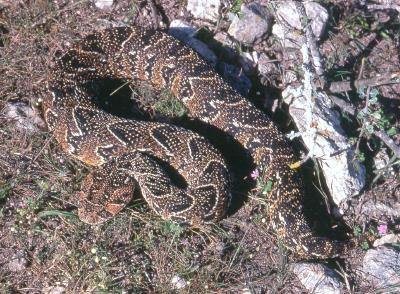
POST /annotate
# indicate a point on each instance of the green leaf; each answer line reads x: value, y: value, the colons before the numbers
x: 369, y: 129
x: 357, y: 231
x: 3, y: 193
x: 391, y: 132
x: 373, y: 100
x: 267, y: 188
x: 169, y: 227
x: 376, y: 115
x: 361, y: 156
x: 365, y: 245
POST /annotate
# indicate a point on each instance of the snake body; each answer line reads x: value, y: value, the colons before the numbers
x: 127, y: 153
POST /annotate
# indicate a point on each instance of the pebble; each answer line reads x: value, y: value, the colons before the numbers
x: 25, y: 117
x: 252, y: 23
x: 204, y: 9
x: 178, y: 282
x: 103, y: 4
x: 318, y: 278
x: 18, y: 262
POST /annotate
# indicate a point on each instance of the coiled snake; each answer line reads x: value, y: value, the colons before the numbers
x: 126, y: 153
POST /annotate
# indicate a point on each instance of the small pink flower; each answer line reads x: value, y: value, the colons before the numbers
x: 185, y: 242
x: 382, y: 229
x: 255, y: 174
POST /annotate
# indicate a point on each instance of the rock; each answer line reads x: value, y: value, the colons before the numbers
x: 103, y: 4
x: 387, y: 239
x: 185, y: 32
x: 25, y: 117
x: 178, y: 282
x: 266, y: 67
x: 382, y: 202
x: 325, y: 138
x: 236, y: 77
x: 4, y: 4
x: 381, y: 162
x: 318, y: 278
x: 376, y: 208
x: 287, y: 13
x: 381, y: 268
x: 381, y: 159
x: 253, y: 23
x: 204, y: 9
x: 18, y: 262
x: 56, y: 290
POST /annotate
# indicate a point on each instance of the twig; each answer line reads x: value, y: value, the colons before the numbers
x: 344, y: 86
x: 388, y: 141
x: 361, y: 69
x: 383, y: 6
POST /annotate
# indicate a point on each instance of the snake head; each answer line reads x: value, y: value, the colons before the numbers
x: 104, y: 193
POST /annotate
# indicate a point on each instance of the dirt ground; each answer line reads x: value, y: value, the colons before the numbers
x: 45, y: 248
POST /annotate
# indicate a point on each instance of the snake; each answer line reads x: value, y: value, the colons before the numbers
x: 129, y: 155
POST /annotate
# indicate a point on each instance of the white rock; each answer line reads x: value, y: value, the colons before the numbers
x: 252, y: 23
x: 103, y: 4
x: 18, y: 262
x: 265, y: 66
x: 56, y: 290
x: 248, y: 61
x: 178, y: 282
x: 381, y: 162
x: 381, y: 267
x: 325, y: 137
x: 287, y: 13
x: 25, y: 117
x: 387, y: 239
x: 204, y: 9
x: 317, y: 278
x: 185, y: 33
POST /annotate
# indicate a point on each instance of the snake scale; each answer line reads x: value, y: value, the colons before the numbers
x: 127, y: 153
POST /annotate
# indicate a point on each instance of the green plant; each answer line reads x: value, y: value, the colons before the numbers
x: 235, y: 7
x: 372, y: 118
x: 357, y: 231
x: 264, y: 185
x: 4, y: 192
x: 356, y: 25
x: 170, y: 106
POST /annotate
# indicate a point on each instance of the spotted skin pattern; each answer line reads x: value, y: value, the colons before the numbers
x: 127, y: 153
